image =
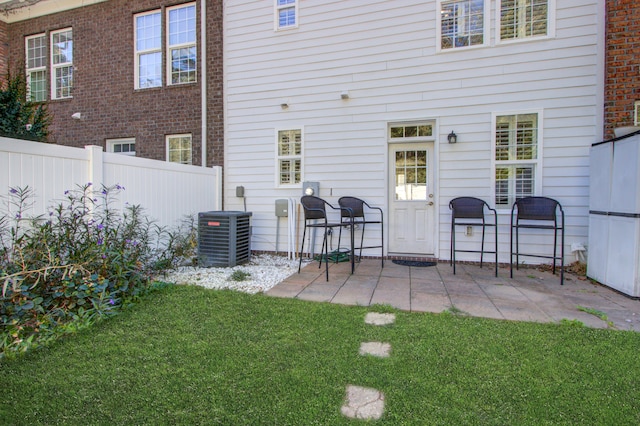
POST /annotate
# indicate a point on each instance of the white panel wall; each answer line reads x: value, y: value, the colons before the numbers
x: 384, y: 54
x: 166, y: 191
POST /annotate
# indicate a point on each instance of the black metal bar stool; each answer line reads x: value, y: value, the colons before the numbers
x: 353, y: 211
x: 538, y: 213
x: 315, y: 216
x: 470, y: 211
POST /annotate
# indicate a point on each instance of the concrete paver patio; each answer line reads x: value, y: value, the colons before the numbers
x: 532, y: 294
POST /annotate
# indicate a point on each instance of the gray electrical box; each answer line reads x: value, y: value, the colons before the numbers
x: 311, y: 188
x: 282, y: 207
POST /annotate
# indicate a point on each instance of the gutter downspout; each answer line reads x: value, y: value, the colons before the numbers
x: 203, y: 80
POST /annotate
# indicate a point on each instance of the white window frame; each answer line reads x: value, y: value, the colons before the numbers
x: 277, y: 7
x: 536, y: 163
x: 169, y: 150
x: 424, y: 131
x: 551, y: 24
x: 149, y: 51
x: 289, y: 157
x: 31, y: 70
x: 178, y: 46
x: 112, y: 143
x: 55, y: 66
x: 485, y: 26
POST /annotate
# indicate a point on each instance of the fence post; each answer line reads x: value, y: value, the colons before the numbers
x: 96, y: 164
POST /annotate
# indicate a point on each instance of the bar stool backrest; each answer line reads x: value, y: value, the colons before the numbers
x: 467, y: 208
x: 537, y: 208
x: 351, y: 207
x: 314, y: 207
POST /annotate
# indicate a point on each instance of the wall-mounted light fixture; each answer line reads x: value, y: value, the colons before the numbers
x: 344, y: 94
x: 77, y: 116
x: 452, y: 137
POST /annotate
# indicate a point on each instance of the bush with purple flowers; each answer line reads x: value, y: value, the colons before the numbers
x: 82, y: 261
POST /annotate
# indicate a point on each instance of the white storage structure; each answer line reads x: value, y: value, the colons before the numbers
x: 614, y: 214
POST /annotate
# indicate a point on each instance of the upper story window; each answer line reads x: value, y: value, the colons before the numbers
x: 61, y: 63
x: 286, y: 14
x: 462, y: 23
x: 521, y: 19
x: 289, y: 156
x: 148, y: 29
x: 517, y: 154
x: 36, y: 69
x: 181, y: 49
x: 179, y: 149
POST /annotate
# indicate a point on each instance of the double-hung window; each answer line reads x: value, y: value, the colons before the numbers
x: 462, y: 23
x: 36, y: 60
x: 179, y: 149
x: 517, y: 152
x: 180, y: 50
x: 520, y: 19
x: 181, y: 36
x: 289, y: 161
x: 286, y: 12
x: 148, y: 29
x: 61, y: 63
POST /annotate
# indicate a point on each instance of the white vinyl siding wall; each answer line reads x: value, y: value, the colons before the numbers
x: 385, y: 54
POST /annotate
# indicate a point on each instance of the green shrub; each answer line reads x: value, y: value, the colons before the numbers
x: 83, y: 261
x: 19, y: 117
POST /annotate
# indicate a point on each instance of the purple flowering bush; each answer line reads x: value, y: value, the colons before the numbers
x: 82, y: 261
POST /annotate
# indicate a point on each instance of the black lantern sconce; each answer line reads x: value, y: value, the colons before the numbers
x: 452, y: 137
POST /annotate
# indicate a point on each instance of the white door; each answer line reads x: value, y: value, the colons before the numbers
x: 411, y: 199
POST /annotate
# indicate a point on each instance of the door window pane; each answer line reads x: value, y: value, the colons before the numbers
x: 411, y: 175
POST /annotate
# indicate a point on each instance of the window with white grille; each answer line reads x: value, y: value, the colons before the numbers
x: 122, y: 146
x: 517, y: 155
x: 523, y: 19
x: 180, y: 46
x: 36, y: 69
x: 286, y: 14
x: 148, y: 48
x: 289, y: 158
x: 179, y: 149
x: 462, y: 23
x: 61, y: 63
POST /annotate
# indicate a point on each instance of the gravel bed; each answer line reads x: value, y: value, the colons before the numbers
x: 265, y: 271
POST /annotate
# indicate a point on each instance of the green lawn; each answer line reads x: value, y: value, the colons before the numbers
x: 188, y: 355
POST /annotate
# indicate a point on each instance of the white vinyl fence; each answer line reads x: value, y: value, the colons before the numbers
x: 167, y: 191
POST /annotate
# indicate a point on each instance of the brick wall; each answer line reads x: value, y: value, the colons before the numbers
x: 3, y: 50
x: 103, y: 87
x: 622, y: 59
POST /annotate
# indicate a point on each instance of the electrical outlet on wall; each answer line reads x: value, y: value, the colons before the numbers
x: 469, y: 231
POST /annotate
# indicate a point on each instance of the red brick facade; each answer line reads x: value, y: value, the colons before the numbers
x: 103, y: 86
x: 3, y: 50
x: 622, y: 59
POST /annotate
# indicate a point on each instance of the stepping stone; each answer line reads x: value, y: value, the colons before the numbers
x: 363, y: 403
x: 381, y: 350
x: 376, y: 318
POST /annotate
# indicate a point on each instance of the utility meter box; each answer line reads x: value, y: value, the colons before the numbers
x: 311, y: 188
x: 282, y: 208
